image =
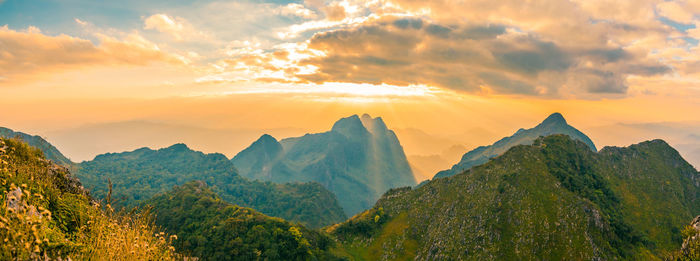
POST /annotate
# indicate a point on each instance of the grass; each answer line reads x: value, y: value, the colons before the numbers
x: 52, y: 216
x: 391, y: 243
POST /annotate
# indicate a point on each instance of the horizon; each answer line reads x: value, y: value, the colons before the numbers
x: 96, y: 77
x: 413, y: 150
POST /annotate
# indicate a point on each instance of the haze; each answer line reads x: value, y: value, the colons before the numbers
x: 108, y: 77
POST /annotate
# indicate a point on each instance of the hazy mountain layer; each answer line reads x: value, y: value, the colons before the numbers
x: 553, y: 200
x: 554, y: 124
x: 50, y: 152
x: 140, y: 174
x: 358, y: 160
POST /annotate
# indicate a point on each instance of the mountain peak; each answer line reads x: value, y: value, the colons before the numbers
x: 178, y: 147
x: 266, y: 138
x: 373, y: 124
x: 554, y: 118
x: 349, y: 126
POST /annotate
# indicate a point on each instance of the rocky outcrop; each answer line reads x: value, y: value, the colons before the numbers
x: 358, y: 160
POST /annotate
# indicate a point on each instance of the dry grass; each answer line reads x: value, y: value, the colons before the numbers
x: 78, y: 228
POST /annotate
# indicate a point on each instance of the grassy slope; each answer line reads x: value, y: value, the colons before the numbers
x: 552, y: 200
x: 55, y: 216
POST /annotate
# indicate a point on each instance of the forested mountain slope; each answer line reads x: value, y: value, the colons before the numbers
x: 556, y: 200
x: 140, y: 174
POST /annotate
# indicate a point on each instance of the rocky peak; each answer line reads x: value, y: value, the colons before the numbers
x: 178, y: 147
x: 373, y: 125
x: 554, y: 119
x: 265, y: 138
x: 349, y: 126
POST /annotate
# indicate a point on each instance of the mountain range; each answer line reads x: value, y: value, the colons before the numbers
x: 556, y: 199
x: 358, y: 160
x: 140, y: 174
x: 554, y: 124
x: 542, y: 193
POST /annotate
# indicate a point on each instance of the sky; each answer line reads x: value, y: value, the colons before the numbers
x: 104, y: 76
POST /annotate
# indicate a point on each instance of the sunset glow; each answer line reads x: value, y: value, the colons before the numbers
x: 444, y: 67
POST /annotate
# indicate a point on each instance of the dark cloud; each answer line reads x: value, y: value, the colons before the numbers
x: 438, y: 30
x: 540, y: 56
x: 470, y: 57
x: 597, y: 81
x: 406, y: 23
x: 482, y: 32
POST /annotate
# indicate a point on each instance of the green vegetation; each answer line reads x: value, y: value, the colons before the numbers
x: 690, y: 250
x: 358, y: 160
x: 212, y: 229
x: 554, y: 124
x: 553, y: 200
x: 50, y: 152
x: 141, y: 174
x: 657, y: 189
x: 45, y: 213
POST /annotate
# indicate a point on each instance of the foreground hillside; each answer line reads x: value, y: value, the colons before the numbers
x: 212, y: 229
x: 358, y: 160
x: 141, y: 174
x: 553, y: 124
x: 46, y: 214
x: 553, y: 200
x: 50, y: 152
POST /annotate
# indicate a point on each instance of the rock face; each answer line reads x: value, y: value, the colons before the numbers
x: 14, y: 199
x: 358, y: 160
x: 556, y: 199
x: 690, y: 249
x: 554, y: 124
x: 50, y: 152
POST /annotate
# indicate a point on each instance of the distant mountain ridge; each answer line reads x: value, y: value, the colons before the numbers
x: 553, y: 124
x: 140, y: 174
x: 556, y: 199
x: 358, y: 160
x: 50, y: 152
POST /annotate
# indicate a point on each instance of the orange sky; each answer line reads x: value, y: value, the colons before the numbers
x: 96, y: 78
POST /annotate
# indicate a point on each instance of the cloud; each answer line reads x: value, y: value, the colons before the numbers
x: 334, y: 12
x: 578, y: 48
x: 176, y: 27
x: 477, y: 58
x: 679, y: 11
x: 298, y: 10
x: 31, y: 53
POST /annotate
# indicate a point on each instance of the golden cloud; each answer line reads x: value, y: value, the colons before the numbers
x: 32, y: 53
x: 470, y: 57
